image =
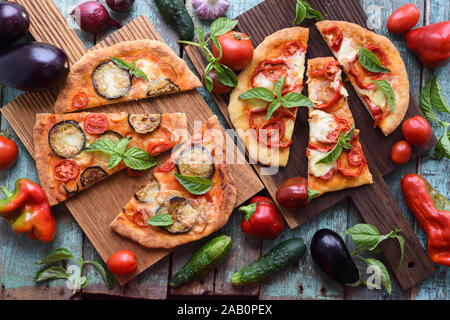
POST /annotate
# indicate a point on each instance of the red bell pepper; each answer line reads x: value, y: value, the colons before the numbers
x: 262, y: 218
x: 432, y: 210
x: 431, y: 43
x: 27, y: 210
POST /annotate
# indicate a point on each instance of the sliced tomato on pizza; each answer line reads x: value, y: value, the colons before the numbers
x: 335, y: 157
x: 66, y: 165
x: 191, y: 195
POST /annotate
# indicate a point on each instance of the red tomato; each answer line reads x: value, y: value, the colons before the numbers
x: 403, y: 19
x: 66, y: 170
x: 355, y: 156
x: 416, y: 130
x: 160, y: 147
x: 218, y: 87
x: 96, y: 123
x: 80, y: 100
x: 237, y: 50
x: 293, y: 193
x: 401, y: 152
x: 330, y: 174
x: 122, y: 262
x: 292, y: 47
x: 8, y: 151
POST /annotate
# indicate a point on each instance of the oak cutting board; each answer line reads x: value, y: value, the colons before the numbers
x: 94, y: 209
x: 375, y: 202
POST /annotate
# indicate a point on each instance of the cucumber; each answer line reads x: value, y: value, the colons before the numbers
x: 276, y: 259
x: 176, y: 14
x: 210, y: 255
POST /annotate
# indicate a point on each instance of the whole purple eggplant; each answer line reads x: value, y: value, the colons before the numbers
x: 33, y: 66
x: 14, y: 22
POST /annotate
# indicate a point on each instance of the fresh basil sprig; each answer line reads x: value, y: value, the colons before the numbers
x: 225, y: 75
x: 160, y: 220
x: 54, y: 271
x: 289, y: 100
x: 387, y: 91
x: 194, y: 184
x: 432, y: 96
x: 342, y: 143
x: 131, y: 67
x: 367, y: 237
x: 370, y: 61
x: 135, y: 158
x: 303, y: 10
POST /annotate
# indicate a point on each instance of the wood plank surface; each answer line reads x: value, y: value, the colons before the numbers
x: 280, y: 14
x: 119, y: 188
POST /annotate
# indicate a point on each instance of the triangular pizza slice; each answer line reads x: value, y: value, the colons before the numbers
x: 280, y: 54
x: 67, y: 161
x: 191, y: 195
x: 126, y: 71
x: 335, y: 157
x: 374, y: 67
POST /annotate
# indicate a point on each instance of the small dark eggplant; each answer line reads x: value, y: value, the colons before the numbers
x: 14, y: 22
x: 329, y: 252
x: 33, y: 66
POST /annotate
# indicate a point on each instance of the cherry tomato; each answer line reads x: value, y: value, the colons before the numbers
x: 355, y: 156
x: 122, y: 262
x: 293, y: 193
x: 403, y: 19
x: 292, y: 47
x: 218, y: 87
x: 401, y: 152
x: 96, y: 123
x: 237, y: 50
x: 66, y: 170
x: 160, y: 147
x: 416, y: 130
x: 8, y: 151
x: 80, y: 100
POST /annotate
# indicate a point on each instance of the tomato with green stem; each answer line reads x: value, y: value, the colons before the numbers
x: 237, y: 50
x: 8, y: 150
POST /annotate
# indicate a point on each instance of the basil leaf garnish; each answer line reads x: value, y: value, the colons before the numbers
x: 258, y: 93
x: 225, y: 75
x: 381, y: 270
x: 272, y: 108
x: 160, y: 220
x: 104, y: 272
x: 222, y: 25
x: 295, y: 99
x: 138, y: 159
x: 131, y: 67
x: 303, y: 10
x: 370, y: 61
x: 194, y: 184
x: 425, y: 103
x: 437, y: 97
x: 342, y: 143
x: 387, y: 91
x: 53, y: 272
x: 56, y: 255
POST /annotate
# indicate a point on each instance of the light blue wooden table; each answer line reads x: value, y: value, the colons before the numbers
x: 302, y: 281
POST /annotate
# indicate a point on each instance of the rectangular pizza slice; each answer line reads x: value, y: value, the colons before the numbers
x: 74, y: 151
x: 335, y: 157
x: 191, y: 195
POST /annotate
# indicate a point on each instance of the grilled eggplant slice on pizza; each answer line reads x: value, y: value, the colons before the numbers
x: 65, y: 163
x: 335, y: 157
x: 126, y: 71
x: 165, y: 214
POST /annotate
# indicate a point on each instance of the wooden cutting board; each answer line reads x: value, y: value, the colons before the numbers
x: 94, y: 209
x: 375, y: 202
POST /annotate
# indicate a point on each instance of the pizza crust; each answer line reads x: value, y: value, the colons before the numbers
x: 155, y: 237
x: 238, y: 115
x: 399, y: 81
x: 82, y: 71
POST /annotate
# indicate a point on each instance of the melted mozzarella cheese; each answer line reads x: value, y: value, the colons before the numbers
x: 84, y: 159
x: 319, y: 169
x: 149, y: 68
x: 297, y: 64
x: 378, y: 98
x: 261, y: 81
x: 320, y: 125
x: 347, y: 51
x: 336, y: 84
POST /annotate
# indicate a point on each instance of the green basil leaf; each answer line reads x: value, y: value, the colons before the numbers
x: 313, y: 14
x: 138, y: 159
x: 370, y: 61
x: 83, y: 282
x: 258, y: 93
x: 218, y: 46
x: 272, y: 108
x: 194, y: 184
x: 349, y: 135
x: 160, y: 220
x: 56, y: 255
x: 225, y: 75
x: 381, y: 270
x: 401, y: 242
x: 278, y: 86
x: 248, y: 210
x: 201, y: 35
x: 139, y: 73
x: 122, y: 145
x: 208, y: 82
x: 312, y: 194
x: 442, y: 149
x: 222, y: 25
x: 53, y: 272
x: 295, y: 99
x: 365, y: 235
x: 122, y: 63
x: 114, y: 160
x: 425, y: 103
x: 388, y: 92
x: 300, y: 12
x: 105, y: 145
x: 333, y: 154
x: 104, y: 272
x: 437, y: 97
